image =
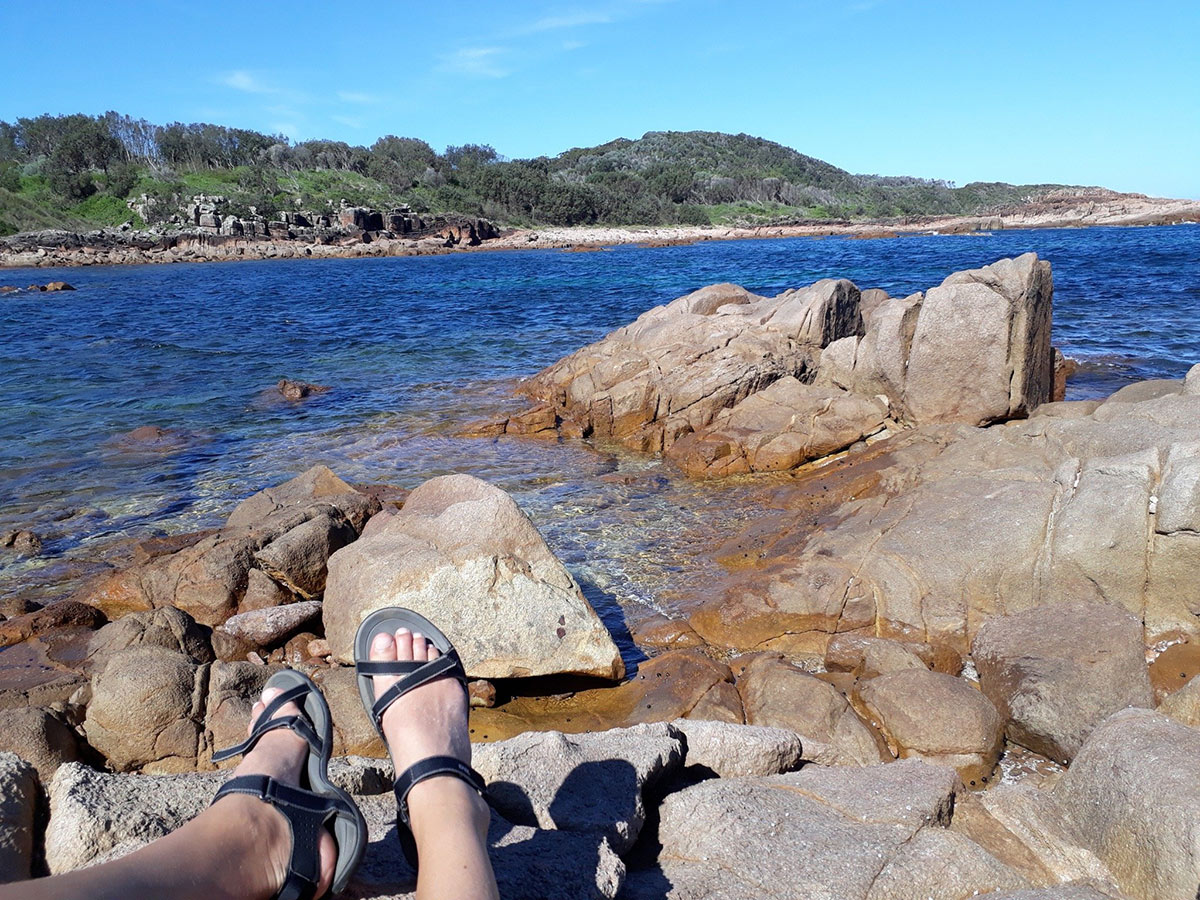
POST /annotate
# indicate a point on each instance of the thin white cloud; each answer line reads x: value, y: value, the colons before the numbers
x: 356, y: 97
x: 241, y: 80
x: 573, y: 45
x: 481, y: 62
x: 571, y: 20
x: 348, y: 121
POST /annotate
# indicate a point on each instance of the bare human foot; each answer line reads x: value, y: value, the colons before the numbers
x: 430, y: 720
x: 280, y: 754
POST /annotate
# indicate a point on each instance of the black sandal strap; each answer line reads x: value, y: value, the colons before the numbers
x: 299, y: 723
x: 431, y: 767
x: 447, y: 665
x: 306, y: 813
x: 393, y: 667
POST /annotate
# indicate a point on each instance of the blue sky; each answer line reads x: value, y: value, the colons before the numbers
x: 1081, y: 92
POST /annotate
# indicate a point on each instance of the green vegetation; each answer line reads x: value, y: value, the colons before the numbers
x: 79, y: 171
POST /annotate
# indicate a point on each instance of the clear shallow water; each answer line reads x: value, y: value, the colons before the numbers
x: 413, y: 348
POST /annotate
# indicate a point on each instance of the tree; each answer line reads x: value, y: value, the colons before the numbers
x: 400, y: 161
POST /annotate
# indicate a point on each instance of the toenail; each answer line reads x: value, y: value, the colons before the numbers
x: 382, y: 641
x: 401, y: 631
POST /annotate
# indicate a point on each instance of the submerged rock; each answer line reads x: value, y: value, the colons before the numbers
x: 298, y: 390
x: 24, y: 543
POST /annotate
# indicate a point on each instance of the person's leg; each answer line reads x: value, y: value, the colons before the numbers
x: 237, y: 848
x: 449, y: 819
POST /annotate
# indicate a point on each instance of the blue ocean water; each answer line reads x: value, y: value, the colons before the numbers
x: 413, y: 348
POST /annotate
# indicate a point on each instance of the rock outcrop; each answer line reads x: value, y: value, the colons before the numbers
x: 284, y: 533
x: 463, y: 554
x: 950, y: 526
x: 723, y: 381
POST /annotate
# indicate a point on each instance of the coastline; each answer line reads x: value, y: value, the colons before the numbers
x: 50, y: 249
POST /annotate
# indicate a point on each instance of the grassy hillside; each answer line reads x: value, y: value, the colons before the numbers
x: 80, y: 171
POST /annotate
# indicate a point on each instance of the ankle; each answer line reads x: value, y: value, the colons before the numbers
x: 438, y: 803
x: 251, y: 841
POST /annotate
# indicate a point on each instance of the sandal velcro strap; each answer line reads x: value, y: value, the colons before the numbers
x: 298, y: 723
x: 267, y: 789
x: 306, y: 814
x: 414, y: 675
x: 432, y: 767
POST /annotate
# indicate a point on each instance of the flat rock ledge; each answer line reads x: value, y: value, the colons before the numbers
x: 629, y: 813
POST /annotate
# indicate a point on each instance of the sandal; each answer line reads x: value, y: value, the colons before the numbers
x: 414, y: 674
x: 316, y: 803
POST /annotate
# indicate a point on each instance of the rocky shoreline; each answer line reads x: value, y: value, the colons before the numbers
x: 954, y: 654
x: 1060, y: 209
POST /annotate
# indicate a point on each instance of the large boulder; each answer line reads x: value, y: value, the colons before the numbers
x: 145, y: 710
x: 1027, y: 829
x: 938, y: 864
x: 814, y: 833
x: 981, y: 349
x: 938, y: 718
x: 233, y: 688
x: 166, y: 627
x: 729, y: 750
x: 94, y: 813
x: 1055, y: 672
x: 1132, y: 795
x: 18, y: 807
x: 463, y: 554
x: 724, y: 381
x: 776, y: 693
x: 671, y: 371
